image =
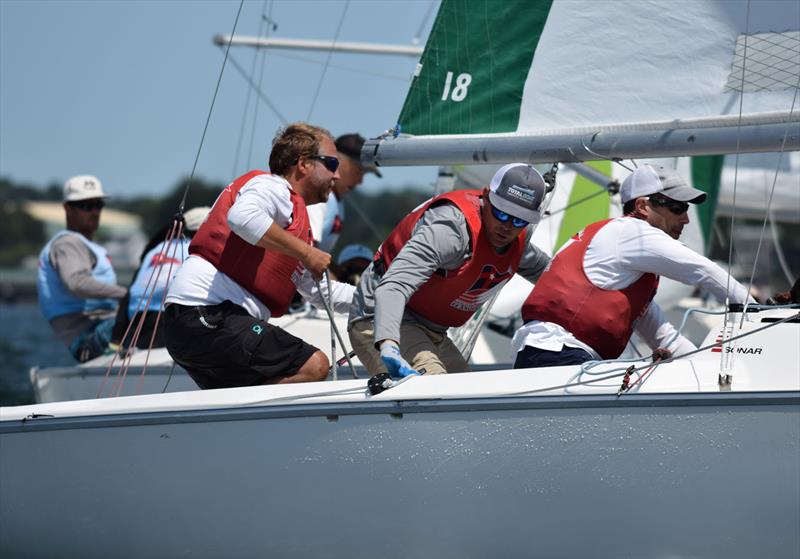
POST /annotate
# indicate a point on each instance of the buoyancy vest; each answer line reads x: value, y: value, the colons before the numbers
x: 450, y: 297
x: 269, y: 275
x: 332, y: 224
x: 601, y: 318
x: 54, y: 298
x: 156, y: 271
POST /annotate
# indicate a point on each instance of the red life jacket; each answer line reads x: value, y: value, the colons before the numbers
x: 450, y: 297
x: 600, y: 318
x: 269, y: 275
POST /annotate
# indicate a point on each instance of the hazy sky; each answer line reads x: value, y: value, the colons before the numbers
x: 121, y: 89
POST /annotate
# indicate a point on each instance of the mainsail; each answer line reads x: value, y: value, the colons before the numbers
x: 576, y: 80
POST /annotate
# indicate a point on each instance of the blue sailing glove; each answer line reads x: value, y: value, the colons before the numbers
x: 397, y: 366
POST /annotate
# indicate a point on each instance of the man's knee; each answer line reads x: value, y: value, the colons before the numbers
x: 316, y: 367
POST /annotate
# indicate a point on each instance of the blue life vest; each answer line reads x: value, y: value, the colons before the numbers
x: 54, y: 298
x: 154, y: 260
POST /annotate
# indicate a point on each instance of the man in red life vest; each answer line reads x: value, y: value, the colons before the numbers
x: 600, y: 286
x: 439, y: 265
x: 246, y: 262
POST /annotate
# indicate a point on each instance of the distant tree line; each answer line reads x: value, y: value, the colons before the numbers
x: 369, y: 218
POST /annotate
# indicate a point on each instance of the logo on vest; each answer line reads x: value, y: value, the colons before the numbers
x: 483, y: 288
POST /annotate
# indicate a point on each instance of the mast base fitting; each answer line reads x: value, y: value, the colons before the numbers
x: 725, y: 381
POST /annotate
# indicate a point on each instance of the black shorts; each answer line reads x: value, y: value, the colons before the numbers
x: 222, y: 346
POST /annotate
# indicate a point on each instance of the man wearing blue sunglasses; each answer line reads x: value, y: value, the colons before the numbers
x: 441, y: 264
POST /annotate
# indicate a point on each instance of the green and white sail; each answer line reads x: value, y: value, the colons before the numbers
x: 581, y: 80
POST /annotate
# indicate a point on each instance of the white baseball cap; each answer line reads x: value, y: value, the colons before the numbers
x: 195, y: 217
x: 647, y: 180
x: 83, y: 187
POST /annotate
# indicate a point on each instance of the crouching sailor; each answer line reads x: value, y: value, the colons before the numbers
x: 440, y: 265
x: 601, y: 285
x: 247, y: 260
x: 76, y: 282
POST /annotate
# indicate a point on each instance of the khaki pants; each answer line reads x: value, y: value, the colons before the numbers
x: 426, y: 351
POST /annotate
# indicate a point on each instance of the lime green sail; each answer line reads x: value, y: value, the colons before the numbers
x: 474, y: 67
x: 585, y: 206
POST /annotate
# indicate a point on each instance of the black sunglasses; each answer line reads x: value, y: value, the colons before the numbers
x: 88, y: 205
x: 674, y: 206
x: 331, y: 163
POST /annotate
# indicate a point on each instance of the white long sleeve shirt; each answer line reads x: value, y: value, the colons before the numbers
x: 617, y: 257
x: 264, y: 199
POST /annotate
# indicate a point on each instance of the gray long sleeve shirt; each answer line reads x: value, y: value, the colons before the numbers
x: 74, y: 263
x: 440, y: 240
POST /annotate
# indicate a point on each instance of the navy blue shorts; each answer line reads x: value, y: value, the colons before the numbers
x: 530, y: 357
x: 222, y: 346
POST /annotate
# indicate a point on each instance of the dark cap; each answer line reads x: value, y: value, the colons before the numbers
x: 518, y: 189
x: 350, y: 145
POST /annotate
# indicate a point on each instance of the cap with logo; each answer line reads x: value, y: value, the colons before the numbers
x: 83, y: 187
x: 650, y: 179
x: 350, y: 145
x: 518, y: 189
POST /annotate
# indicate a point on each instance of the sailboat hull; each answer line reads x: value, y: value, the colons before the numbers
x: 662, y: 475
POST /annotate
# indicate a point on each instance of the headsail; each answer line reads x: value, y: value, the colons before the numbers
x: 579, y: 80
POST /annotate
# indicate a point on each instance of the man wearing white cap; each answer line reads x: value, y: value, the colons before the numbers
x: 600, y: 286
x: 77, y: 286
x: 439, y: 265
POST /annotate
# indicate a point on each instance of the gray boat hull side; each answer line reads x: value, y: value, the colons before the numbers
x: 656, y: 478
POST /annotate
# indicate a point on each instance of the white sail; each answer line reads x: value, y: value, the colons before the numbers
x: 603, y: 80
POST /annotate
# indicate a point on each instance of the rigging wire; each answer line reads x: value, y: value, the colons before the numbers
x: 210, y: 110
x: 418, y: 35
x: 787, y: 271
x: 327, y: 61
x: 578, y: 202
x: 725, y: 358
x: 768, y: 213
x: 249, y: 93
x: 259, y: 92
x: 256, y: 107
x: 360, y: 71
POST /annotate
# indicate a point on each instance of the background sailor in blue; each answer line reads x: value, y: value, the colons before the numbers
x: 77, y: 286
x: 157, y: 268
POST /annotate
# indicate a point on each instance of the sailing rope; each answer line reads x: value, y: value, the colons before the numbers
x: 614, y: 375
x: 334, y: 329
x: 327, y: 60
x: 129, y: 345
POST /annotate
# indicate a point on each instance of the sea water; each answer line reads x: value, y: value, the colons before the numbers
x: 26, y: 340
